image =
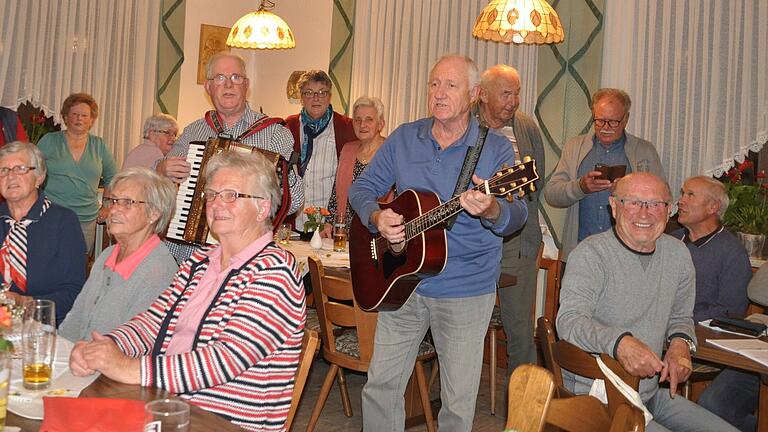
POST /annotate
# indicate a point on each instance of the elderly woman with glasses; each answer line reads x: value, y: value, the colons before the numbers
x: 160, y: 131
x: 318, y: 136
x: 226, y: 335
x: 127, y: 277
x: 77, y: 160
x: 43, y: 251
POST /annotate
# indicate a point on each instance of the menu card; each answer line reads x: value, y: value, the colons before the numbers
x: 754, y: 349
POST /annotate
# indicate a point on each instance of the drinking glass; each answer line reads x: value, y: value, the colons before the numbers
x: 284, y: 234
x: 339, y: 237
x: 38, y: 341
x: 166, y: 415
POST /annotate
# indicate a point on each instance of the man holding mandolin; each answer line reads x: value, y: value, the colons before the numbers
x: 457, y: 299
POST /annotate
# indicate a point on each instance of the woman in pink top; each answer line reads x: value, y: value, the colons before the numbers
x: 160, y: 132
x: 226, y: 335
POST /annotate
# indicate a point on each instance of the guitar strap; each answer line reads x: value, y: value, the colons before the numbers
x: 470, y: 162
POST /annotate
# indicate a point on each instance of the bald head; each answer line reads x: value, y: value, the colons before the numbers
x: 640, y: 205
x: 499, y: 95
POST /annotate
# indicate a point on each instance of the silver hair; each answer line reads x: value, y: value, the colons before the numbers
x: 490, y: 75
x: 220, y: 55
x: 618, y: 95
x: 369, y: 101
x: 159, y: 193
x: 716, y: 191
x: 35, y: 156
x: 159, y: 121
x: 473, y: 73
x: 256, y: 169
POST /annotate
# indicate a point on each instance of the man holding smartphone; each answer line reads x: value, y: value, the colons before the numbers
x: 577, y: 183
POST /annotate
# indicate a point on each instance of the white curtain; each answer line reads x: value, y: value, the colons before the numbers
x: 397, y: 41
x: 696, y: 72
x: 108, y: 48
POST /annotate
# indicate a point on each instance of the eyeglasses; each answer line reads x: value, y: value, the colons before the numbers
x: 612, y: 123
x: 636, y: 204
x: 226, y: 196
x: 18, y: 170
x: 167, y: 132
x: 309, y: 94
x: 125, y: 203
x: 220, y: 79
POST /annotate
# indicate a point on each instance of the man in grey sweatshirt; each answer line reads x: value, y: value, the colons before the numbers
x: 629, y: 290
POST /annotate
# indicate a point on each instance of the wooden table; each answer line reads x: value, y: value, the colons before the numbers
x: 200, y: 420
x: 712, y: 354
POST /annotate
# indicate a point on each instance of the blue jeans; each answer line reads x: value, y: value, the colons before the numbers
x: 733, y: 395
x: 680, y: 414
x: 458, y: 330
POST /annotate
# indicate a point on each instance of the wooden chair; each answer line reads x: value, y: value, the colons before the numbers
x: 309, y: 344
x: 531, y: 406
x: 530, y: 391
x: 565, y: 355
x: 352, y: 346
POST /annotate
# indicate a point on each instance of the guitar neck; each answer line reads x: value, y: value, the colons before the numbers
x: 434, y: 217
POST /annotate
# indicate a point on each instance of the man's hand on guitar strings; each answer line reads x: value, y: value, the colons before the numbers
x: 389, y: 224
x: 480, y: 204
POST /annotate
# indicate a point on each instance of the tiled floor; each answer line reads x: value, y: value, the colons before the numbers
x: 332, y: 418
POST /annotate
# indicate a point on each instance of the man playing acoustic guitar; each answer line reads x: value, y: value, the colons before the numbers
x: 427, y: 155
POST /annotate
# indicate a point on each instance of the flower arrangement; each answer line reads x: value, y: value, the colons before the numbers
x: 5, y: 326
x: 748, y: 193
x: 36, y: 123
x: 315, y: 218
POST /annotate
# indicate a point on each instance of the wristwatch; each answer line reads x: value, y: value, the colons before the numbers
x: 686, y: 339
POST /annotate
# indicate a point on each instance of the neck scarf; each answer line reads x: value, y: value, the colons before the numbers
x: 312, y: 128
x: 13, y: 253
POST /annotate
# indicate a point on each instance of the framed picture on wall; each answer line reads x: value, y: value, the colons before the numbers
x: 213, y: 39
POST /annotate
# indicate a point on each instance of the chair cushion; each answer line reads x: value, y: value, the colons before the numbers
x: 347, y: 343
x: 313, y: 322
x: 496, y: 318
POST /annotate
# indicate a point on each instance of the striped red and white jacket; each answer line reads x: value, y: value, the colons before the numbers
x: 247, y: 347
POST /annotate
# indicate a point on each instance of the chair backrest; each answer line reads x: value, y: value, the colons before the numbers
x: 309, y: 344
x: 581, y: 413
x: 335, y: 303
x: 530, y: 390
x: 554, y: 268
x: 627, y: 419
x: 545, y: 333
x: 559, y: 355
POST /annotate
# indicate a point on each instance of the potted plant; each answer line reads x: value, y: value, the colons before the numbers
x: 747, y: 213
x: 36, y: 122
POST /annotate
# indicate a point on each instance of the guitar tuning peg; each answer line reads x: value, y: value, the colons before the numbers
x: 504, y: 166
x: 527, y: 159
x: 521, y: 193
x: 509, y: 197
x: 533, y: 188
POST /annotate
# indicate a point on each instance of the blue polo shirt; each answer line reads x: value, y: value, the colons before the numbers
x: 594, y: 211
x: 412, y: 159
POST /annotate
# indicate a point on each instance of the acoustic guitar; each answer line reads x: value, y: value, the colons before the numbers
x: 385, y: 275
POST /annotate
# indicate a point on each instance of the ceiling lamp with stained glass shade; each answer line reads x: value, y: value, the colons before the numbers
x: 519, y: 22
x: 261, y: 30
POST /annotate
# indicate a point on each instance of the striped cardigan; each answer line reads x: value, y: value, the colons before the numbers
x: 247, y: 347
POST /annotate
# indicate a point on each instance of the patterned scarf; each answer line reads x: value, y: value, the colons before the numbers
x: 13, y: 252
x: 312, y: 128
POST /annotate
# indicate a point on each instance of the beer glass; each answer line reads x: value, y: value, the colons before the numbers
x: 339, y: 237
x: 38, y: 343
x: 166, y: 415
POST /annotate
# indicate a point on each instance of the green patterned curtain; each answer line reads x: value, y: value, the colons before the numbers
x: 568, y: 73
x: 170, y: 56
x: 340, y: 66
